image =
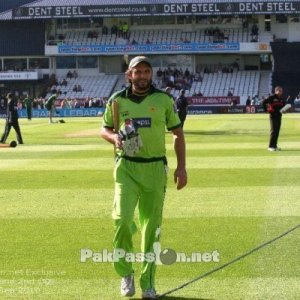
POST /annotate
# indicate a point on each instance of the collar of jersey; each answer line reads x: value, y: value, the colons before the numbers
x: 135, y: 98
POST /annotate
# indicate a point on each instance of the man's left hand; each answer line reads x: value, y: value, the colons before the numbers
x: 180, y: 178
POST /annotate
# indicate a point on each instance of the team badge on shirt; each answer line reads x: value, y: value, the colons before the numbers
x: 125, y: 114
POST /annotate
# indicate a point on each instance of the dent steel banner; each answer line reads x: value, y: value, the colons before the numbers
x: 204, y: 8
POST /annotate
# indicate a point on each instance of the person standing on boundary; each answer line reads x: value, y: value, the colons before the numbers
x: 273, y: 104
x: 28, y: 105
x: 182, y: 105
x: 12, y: 120
x: 134, y: 122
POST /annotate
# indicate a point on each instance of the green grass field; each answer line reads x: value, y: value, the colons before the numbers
x: 56, y: 198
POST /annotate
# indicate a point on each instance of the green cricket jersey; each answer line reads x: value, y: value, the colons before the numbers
x: 28, y: 102
x: 50, y: 101
x: 153, y: 113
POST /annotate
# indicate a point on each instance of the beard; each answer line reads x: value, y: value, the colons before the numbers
x: 141, y: 85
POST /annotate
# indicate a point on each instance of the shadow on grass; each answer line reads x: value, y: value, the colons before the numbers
x: 224, y: 132
x: 176, y: 298
x: 202, y: 132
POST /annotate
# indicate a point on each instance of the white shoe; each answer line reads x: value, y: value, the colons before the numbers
x: 271, y: 149
x: 149, y: 294
x: 127, y: 286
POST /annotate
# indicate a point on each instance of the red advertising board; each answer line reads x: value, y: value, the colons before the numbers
x: 214, y: 100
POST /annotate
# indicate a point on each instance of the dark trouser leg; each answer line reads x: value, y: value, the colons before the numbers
x: 275, y: 122
x: 18, y: 132
x: 6, y: 132
x: 29, y: 113
x: 182, y: 117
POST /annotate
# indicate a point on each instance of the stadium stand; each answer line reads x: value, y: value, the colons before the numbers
x: 100, y: 86
x: 100, y: 70
x: 156, y: 36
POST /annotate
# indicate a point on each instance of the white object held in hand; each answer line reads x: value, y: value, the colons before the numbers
x: 130, y: 138
x: 286, y: 108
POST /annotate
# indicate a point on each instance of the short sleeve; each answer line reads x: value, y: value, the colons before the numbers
x: 172, y: 118
x: 108, y: 117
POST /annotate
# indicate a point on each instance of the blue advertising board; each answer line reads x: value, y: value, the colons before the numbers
x: 149, y: 48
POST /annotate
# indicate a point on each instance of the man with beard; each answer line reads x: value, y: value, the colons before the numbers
x: 134, y: 122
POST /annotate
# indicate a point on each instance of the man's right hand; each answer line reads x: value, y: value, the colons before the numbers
x: 117, y: 141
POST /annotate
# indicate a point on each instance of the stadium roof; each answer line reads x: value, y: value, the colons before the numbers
x: 6, y: 5
x: 42, y: 9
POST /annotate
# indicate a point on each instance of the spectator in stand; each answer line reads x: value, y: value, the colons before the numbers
x: 79, y: 88
x: 104, y: 30
x: 233, y: 103
x: 245, y: 24
x: 90, y: 100
x: 77, y: 104
x: 75, y: 88
x: 159, y: 74
x: 75, y: 74
x: 69, y: 75
x: 254, y: 33
x: 101, y: 102
x: 235, y: 65
x: 297, y: 100
x: 81, y: 103
x: 229, y: 94
x: 206, y: 70
x: 64, y: 104
x: 120, y: 29
x: 64, y: 82
x: 125, y: 29
x: 86, y: 103
x: 187, y: 73
x: 248, y: 101
x: 61, y: 37
x: 53, y: 89
x: 198, y: 77
x: 114, y: 30
x: 172, y: 79
x: 254, y: 30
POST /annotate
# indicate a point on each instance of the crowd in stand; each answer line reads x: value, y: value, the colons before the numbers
x: 39, y: 103
x: 176, y: 78
x: 216, y: 34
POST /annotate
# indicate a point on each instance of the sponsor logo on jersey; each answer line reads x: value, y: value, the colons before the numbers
x: 143, y: 122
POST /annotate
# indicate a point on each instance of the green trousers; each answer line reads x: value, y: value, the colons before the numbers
x: 29, y: 112
x: 139, y: 185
